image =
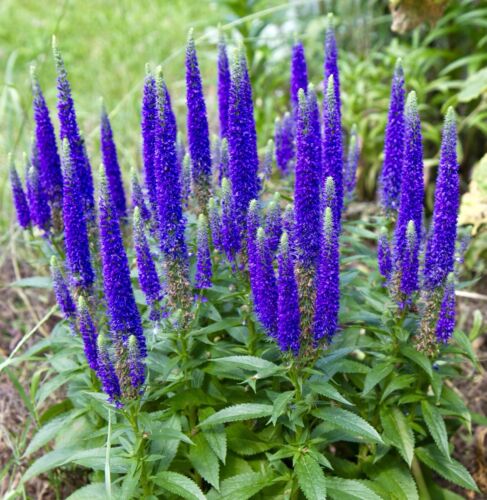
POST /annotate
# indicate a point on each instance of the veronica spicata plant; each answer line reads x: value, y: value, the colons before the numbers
x: 227, y: 343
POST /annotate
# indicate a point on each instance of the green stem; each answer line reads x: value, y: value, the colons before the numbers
x: 420, y: 482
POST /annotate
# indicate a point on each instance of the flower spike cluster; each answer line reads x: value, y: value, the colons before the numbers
x: 284, y: 132
x: 331, y: 63
x: 45, y: 141
x: 124, y: 317
x: 88, y: 333
x: 61, y: 291
x: 391, y: 175
x: 148, y: 278
x: 198, y: 134
x: 440, y: 249
x: 307, y: 190
x: 242, y: 140
x: 223, y: 85
x: 230, y: 238
x: 81, y: 272
x: 273, y: 223
x: 288, y: 316
x: 106, y: 371
x: 138, y: 199
x: 446, y: 316
x: 299, y: 74
x: 112, y: 167
x: 69, y: 130
x: 19, y: 197
x: 38, y: 204
x: 408, y: 231
x: 148, y: 124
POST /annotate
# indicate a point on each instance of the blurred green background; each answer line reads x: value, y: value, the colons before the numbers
x: 107, y: 43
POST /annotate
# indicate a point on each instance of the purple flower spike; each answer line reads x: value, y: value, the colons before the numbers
x: 284, y: 140
x: 411, y: 202
x: 446, y: 317
x: 223, y: 86
x: 148, y: 121
x: 253, y: 223
x: 299, y: 74
x: 106, y: 371
x: 273, y: 223
x: 198, y: 134
x: 203, y: 262
x: 61, y: 291
x: 138, y: 199
x: 242, y: 141
x: 214, y: 219
x: 45, y: 142
x: 264, y: 287
x: 384, y: 255
x: 288, y: 225
x: 307, y: 191
x: 148, y: 278
x: 19, y: 197
x: 229, y: 230
x: 170, y: 213
x: 327, y: 281
x: 390, y: 180
x: 69, y: 130
x: 268, y: 160
x: 88, y: 334
x: 288, y: 316
x: 136, y: 364
x: 350, y: 167
x: 332, y: 148
x: 112, y: 167
x: 331, y: 63
x: 124, y: 317
x: 38, y: 205
x: 75, y: 233
x: 440, y: 249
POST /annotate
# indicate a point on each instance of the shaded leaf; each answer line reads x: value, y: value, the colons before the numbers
x: 244, y: 411
x: 179, y: 485
x: 311, y: 478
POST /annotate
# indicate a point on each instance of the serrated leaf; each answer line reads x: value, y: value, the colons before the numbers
x: 179, y: 485
x: 246, y: 362
x: 348, y: 421
x: 215, y: 435
x: 466, y: 345
x: 92, y: 491
x: 418, y: 358
x: 243, y: 441
x: 451, y: 470
x: 280, y: 405
x: 219, y: 326
x: 349, y: 489
x: 243, y: 486
x: 398, y: 433
x: 311, y: 478
x: 397, y: 481
x: 436, y: 426
x: 327, y: 390
x: 396, y: 384
x: 244, y: 411
x: 378, y: 373
x: 205, y: 461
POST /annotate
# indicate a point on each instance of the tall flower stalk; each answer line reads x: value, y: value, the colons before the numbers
x: 198, y: 134
x: 203, y: 259
x: 224, y: 80
x: 19, y: 197
x: 299, y: 74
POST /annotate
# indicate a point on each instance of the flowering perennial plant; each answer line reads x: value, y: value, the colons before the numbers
x: 244, y: 348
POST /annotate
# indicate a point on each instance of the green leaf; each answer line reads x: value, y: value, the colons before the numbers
x: 466, y: 345
x: 348, y: 421
x: 243, y: 441
x: 280, y: 405
x: 179, y: 485
x: 349, y: 489
x: 436, y: 426
x: 378, y: 373
x: 243, y: 486
x: 396, y: 384
x: 94, y: 491
x: 33, y: 282
x: 327, y: 390
x: 219, y: 326
x: 215, y: 435
x: 449, y: 469
x: 398, y: 432
x: 418, y: 358
x: 244, y: 411
x: 246, y: 362
x: 397, y: 481
x: 205, y: 461
x: 311, y: 478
